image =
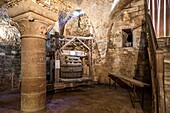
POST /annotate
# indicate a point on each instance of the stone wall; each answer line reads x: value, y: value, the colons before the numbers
x: 98, y: 12
x: 52, y: 5
x: 78, y: 26
x: 109, y: 55
x: 9, y: 68
x: 127, y: 61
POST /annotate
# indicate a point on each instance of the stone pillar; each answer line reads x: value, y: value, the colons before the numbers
x: 33, y: 65
x: 33, y: 22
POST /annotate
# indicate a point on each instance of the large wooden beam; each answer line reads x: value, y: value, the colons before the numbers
x: 160, y: 79
x: 130, y: 80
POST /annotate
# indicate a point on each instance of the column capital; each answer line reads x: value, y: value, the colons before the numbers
x: 32, y: 19
x: 33, y: 28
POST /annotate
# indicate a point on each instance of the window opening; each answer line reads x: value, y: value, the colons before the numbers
x: 127, y: 38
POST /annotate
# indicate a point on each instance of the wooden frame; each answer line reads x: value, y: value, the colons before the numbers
x: 88, y: 47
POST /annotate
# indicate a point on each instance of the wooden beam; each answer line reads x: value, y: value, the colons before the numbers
x: 90, y: 60
x: 84, y: 44
x: 68, y: 43
x: 132, y: 81
x: 160, y: 77
x: 80, y: 37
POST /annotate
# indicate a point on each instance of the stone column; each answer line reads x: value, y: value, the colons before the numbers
x: 33, y: 65
x: 33, y: 22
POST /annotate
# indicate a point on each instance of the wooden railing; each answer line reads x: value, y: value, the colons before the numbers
x: 156, y: 58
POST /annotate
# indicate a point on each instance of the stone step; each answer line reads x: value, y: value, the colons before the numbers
x: 167, y: 63
x: 167, y: 109
x: 166, y: 54
x: 166, y: 48
x: 166, y: 60
x: 167, y: 73
x: 160, y: 39
x: 167, y: 89
x: 167, y: 101
x: 167, y: 77
x: 167, y: 84
x: 166, y: 66
x: 161, y: 42
x: 167, y: 95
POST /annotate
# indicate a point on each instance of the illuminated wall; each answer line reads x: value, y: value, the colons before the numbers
x: 160, y: 12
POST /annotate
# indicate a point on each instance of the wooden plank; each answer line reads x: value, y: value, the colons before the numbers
x: 161, y: 94
x: 120, y: 82
x: 79, y: 37
x: 75, y: 79
x: 84, y: 44
x: 57, y: 71
x: 68, y: 43
x: 67, y: 40
x: 152, y: 67
x: 132, y: 81
x: 91, y: 56
x: 90, y: 60
x: 160, y: 74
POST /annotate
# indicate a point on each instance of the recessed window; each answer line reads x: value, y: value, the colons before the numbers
x: 127, y: 38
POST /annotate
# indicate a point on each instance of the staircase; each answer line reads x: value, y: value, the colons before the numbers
x: 164, y: 43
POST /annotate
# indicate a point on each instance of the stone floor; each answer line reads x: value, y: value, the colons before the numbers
x: 97, y: 99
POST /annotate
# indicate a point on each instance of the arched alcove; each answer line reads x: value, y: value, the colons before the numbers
x: 79, y: 26
x: 72, y: 48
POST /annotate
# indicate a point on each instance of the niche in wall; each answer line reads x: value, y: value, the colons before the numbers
x: 127, y: 38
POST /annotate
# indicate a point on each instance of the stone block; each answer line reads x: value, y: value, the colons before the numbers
x: 138, y: 3
x: 8, y: 63
x: 167, y: 73
x: 133, y: 9
x: 167, y: 66
x: 33, y: 103
x: 33, y: 85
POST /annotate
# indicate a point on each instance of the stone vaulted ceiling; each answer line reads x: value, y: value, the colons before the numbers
x: 100, y: 13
